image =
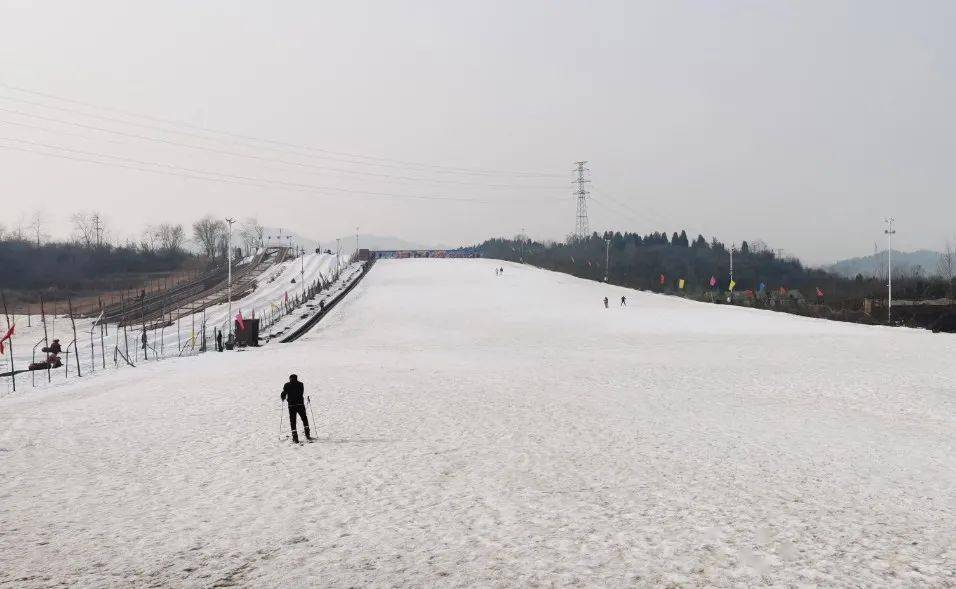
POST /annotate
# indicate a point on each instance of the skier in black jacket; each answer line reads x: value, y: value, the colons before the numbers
x: 293, y: 392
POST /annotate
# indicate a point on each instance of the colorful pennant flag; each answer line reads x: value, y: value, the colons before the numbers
x: 732, y: 285
x: 680, y: 284
x: 713, y: 281
x: 242, y: 324
x: 819, y: 292
x: 662, y: 279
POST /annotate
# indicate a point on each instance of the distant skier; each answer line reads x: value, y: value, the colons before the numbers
x: 145, y: 345
x: 293, y: 392
x: 219, y: 340
x: 501, y: 270
x: 623, y: 301
x: 605, y: 303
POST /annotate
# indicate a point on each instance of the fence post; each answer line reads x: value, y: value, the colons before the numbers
x: 76, y: 346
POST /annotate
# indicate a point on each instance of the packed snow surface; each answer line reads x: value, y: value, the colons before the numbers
x: 499, y: 431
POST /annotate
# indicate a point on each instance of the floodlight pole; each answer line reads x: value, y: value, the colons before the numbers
x: 889, y: 231
x: 733, y: 246
x: 607, y: 255
x: 229, y: 263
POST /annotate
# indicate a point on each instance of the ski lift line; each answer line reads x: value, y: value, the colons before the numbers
x: 287, y: 162
x: 196, y: 147
x: 252, y: 181
x: 203, y: 172
x: 405, y: 163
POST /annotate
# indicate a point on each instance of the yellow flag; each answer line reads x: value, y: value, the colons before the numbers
x: 732, y: 285
x: 680, y: 284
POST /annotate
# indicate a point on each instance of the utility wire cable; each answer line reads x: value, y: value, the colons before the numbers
x: 403, y: 163
x: 249, y: 156
x: 135, y: 164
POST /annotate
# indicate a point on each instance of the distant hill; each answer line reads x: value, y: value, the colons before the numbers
x: 379, y: 242
x: 375, y: 242
x: 873, y: 265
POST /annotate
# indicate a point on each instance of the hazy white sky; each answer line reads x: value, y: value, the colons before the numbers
x: 801, y: 123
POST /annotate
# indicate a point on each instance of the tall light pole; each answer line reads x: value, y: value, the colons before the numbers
x: 229, y: 263
x: 338, y: 255
x: 889, y: 231
x: 607, y: 254
x: 356, y: 242
x: 733, y: 246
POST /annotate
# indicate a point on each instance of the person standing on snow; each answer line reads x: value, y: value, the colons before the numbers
x: 145, y: 345
x: 605, y: 302
x: 293, y: 392
x: 218, y: 340
x: 623, y: 301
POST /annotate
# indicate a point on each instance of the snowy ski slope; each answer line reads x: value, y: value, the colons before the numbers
x: 271, y: 287
x: 500, y: 431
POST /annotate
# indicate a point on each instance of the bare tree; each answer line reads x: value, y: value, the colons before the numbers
x: 84, y: 228
x: 946, y: 265
x: 171, y: 237
x: 149, y: 240
x: 208, y: 233
x: 251, y: 234
x: 37, y: 221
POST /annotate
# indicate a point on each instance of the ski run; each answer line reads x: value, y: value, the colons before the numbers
x: 498, y: 431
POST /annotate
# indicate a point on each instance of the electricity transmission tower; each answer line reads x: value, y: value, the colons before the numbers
x: 581, y: 217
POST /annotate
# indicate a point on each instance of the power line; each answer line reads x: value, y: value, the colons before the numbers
x: 252, y: 146
x: 235, y: 153
x: 196, y: 174
x: 404, y: 163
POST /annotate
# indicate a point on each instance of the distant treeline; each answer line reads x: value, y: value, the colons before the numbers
x: 69, y: 267
x: 91, y: 262
x: 639, y: 261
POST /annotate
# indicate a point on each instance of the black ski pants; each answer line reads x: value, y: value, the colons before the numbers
x: 300, y: 411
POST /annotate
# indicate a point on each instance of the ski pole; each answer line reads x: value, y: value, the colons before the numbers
x: 315, y: 426
x: 281, y: 404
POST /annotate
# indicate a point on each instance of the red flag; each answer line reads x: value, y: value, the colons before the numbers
x: 713, y: 281
x: 819, y: 292
x: 662, y: 279
x: 242, y: 324
x: 9, y: 335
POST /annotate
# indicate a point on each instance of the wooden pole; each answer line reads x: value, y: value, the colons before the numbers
x: 13, y: 369
x: 102, y: 336
x: 46, y: 339
x: 76, y: 346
